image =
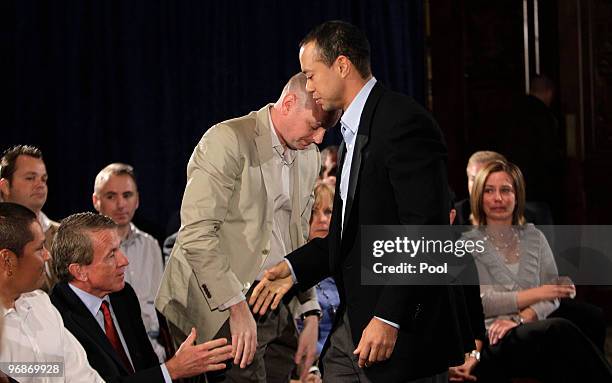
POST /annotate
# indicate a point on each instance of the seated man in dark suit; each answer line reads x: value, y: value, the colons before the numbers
x: 103, y: 313
x: 537, y: 213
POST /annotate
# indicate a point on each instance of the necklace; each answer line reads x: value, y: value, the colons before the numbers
x: 507, y: 244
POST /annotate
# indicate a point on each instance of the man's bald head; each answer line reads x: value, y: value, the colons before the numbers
x: 297, y: 85
x: 298, y: 120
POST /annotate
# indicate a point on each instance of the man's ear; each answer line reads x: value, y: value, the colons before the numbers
x: 4, y: 187
x: 343, y: 66
x: 77, y: 272
x: 7, y: 260
x: 289, y: 102
x: 96, y: 201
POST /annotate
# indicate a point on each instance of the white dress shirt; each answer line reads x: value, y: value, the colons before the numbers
x: 34, y: 332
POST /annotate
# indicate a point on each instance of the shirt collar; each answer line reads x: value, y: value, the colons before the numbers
x: 133, y: 233
x: 352, y: 116
x: 45, y: 222
x: 90, y: 301
x: 22, y: 304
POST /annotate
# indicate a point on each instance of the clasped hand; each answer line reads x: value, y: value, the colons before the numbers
x: 271, y: 289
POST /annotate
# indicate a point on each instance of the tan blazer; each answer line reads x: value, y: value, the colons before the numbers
x: 226, y: 222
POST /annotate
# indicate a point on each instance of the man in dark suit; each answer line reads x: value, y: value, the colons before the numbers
x: 391, y: 172
x: 103, y: 313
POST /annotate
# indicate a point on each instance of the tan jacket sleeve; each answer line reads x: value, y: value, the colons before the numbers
x: 212, y: 171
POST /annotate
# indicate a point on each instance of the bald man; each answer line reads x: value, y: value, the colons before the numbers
x: 247, y: 204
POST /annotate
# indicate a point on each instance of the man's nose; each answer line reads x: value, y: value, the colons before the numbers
x: 309, y: 86
x: 122, y: 259
x: 121, y: 202
x: 318, y: 136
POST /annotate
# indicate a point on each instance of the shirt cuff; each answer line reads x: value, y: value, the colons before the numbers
x: 237, y: 299
x: 165, y: 373
x: 293, y: 277
x: 388, y: 322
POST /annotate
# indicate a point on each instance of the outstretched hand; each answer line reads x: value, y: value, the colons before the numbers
x: 271, y: 289
x: 191, y: 359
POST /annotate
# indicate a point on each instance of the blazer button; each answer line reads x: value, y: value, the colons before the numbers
x: 265, y: 252
x: 247, y: 285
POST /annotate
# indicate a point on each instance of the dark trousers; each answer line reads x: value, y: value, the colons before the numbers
x: 550, y: 350
x: 340, y: 365
x: 587, y: 317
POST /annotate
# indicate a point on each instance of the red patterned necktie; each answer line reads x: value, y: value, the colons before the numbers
x: 113, y: 336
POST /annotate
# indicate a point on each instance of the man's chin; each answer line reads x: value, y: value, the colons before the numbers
x: 119, y: 286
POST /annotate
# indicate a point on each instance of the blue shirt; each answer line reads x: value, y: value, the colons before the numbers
x: 349, y: 125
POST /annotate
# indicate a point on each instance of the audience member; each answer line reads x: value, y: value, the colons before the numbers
x: 23, y: 180
x: 535, y: 212
x: 587, y: 317
x: 103, y: 313
x: 327, y: 293
x: 116, y: 196
x: 34, y: 330
x: 329, y: 165
x: 517, y: 282
x: 246, y: 205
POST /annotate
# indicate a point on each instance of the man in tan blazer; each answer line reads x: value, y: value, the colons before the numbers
x: 246, y: 205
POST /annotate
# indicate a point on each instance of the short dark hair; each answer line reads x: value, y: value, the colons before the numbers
x: 15, y: 222
x: 339, y: 38
x: 9, y: 159
x: 72, y: 243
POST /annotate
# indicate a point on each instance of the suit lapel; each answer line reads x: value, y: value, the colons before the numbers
x: 82, y: 317
x: 336, y: 220
x: 363, y: 135
x: 295, y: 226
x: 263, y: 143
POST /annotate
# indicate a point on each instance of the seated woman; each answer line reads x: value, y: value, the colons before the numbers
x: 513, y: 269
x: 327, y: 293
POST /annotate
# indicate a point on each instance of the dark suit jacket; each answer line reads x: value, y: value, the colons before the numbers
x: 398, y: 176
x: 101, y: 355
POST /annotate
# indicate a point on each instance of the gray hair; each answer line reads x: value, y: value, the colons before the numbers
x: 72, y: 243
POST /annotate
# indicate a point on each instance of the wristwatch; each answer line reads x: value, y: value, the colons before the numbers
x: 308, y: 313
x: 475, y: 354
x: 519, y: 320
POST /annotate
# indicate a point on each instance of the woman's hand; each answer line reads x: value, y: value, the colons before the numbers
x: 550, y: 292
x: 499, y: 329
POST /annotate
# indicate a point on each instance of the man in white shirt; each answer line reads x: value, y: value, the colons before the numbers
x: 34, y: 333
x: 116, y: 196
x: 23, y: 180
